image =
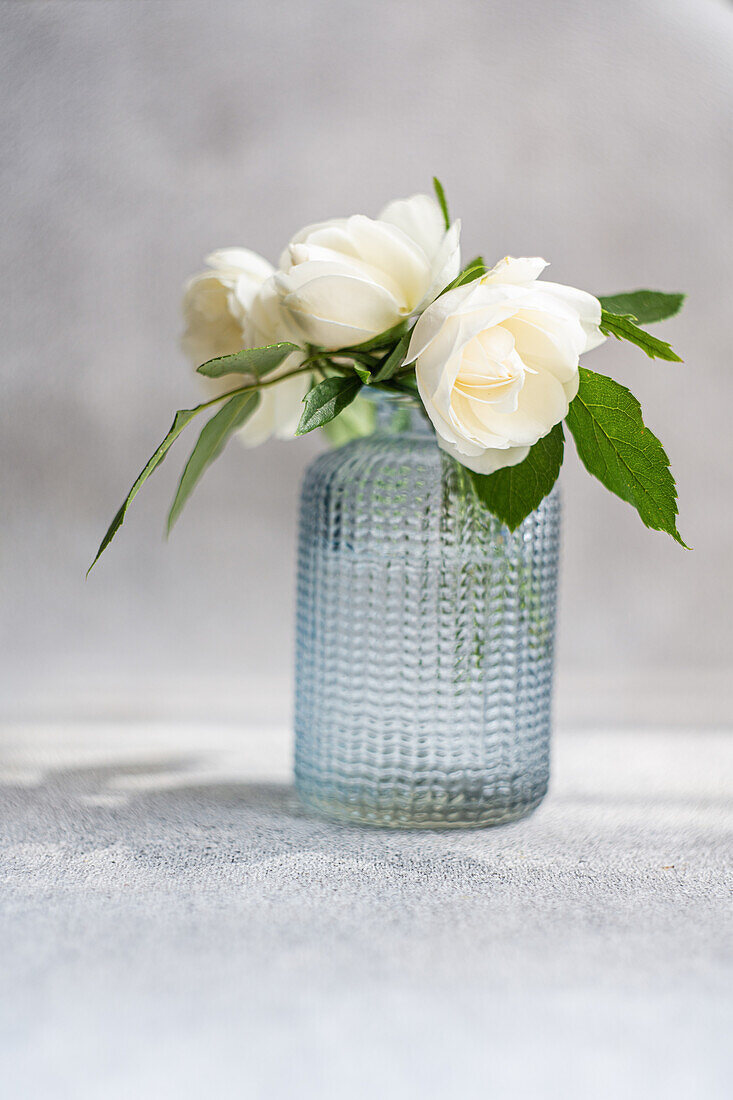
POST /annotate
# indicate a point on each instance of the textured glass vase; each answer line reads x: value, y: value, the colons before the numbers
x: 425, y: 633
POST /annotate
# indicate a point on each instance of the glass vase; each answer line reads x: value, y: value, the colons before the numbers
x: 425, y: 632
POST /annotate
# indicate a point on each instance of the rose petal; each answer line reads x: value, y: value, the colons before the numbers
x: 489, y: 461
x: 312, y: 261
x: 446, y: 265
x: 240, y: 261
x: 586, y: 307
x: 421, y: 218
x: 346, y: 300
x: 390, y: 251
x: 516, y: 270
x: 542, y: 403
x: 546, y: 343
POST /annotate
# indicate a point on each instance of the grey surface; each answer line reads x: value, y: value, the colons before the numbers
x: 137, y: 136
x: 172, y: 926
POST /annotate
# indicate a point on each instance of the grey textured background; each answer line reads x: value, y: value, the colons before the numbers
x: 137, y: 136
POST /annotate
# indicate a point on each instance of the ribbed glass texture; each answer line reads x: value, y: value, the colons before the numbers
x: 425, y: 634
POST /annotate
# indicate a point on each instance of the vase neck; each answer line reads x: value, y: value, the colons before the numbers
x: 397, y: 414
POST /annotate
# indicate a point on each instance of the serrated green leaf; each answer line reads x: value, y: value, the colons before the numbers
x: 209, y: 445
x: 354, y: 422
x: 394, y: 360
x: 326, y: 400
x: 615, y: 446
x: 182, y: 418
x: 256, y: 361
x: 645, y: 306
x: 513, y: 493
x: 623, y: 328
x: 443, y: 202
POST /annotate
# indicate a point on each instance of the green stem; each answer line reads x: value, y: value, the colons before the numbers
x: 305, y: 369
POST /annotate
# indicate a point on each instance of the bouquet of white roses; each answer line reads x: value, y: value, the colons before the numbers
x: 491, y: 353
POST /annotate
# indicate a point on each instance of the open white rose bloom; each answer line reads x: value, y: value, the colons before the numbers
x: 492, y: 357
x: 496, y: 361
x: 347, y: 280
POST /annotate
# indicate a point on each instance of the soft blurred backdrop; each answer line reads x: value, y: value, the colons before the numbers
x: 138, y: 135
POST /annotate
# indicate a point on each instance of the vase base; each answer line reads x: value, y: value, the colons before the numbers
x: 408, y: 818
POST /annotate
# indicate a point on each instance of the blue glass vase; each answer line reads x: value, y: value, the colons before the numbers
x: 425, y: 632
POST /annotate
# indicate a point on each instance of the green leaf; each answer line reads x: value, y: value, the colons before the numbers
x: 364, y: 373
x: 440, y: 195
x: 623, y: 328
x: 326, y: 400
x: 615, y: 446
x: 408, y: 382
x: 512, y: 493
x: 181, y: 419
x: 645, y: 306
x: 394, y: 360
x: 210, y: 444
x: 470, y: 274
x: 354, y: 422
x: 256, y: 361
x: 471, y: 271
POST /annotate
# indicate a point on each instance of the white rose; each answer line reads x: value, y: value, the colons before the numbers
x: 497, y: 361
x: 349, y: 279
x: 234, y: 306
x: 216, y: 303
